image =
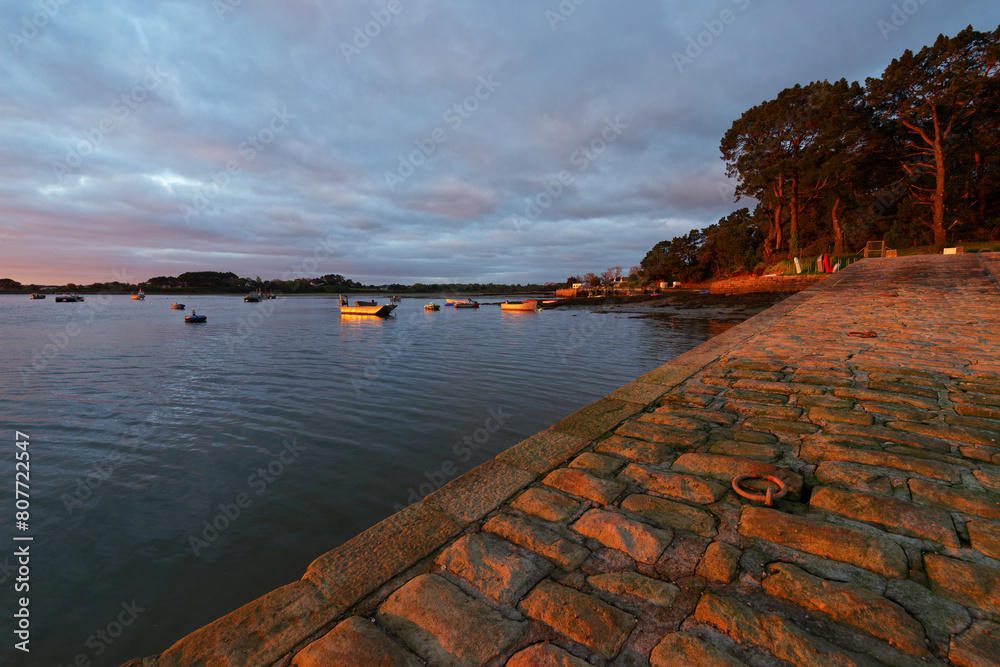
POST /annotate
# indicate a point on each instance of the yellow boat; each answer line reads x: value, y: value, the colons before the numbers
x: 520, y: 306
x: 365, y: 308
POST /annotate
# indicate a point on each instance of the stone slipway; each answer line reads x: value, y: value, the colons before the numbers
x: 615, y: 538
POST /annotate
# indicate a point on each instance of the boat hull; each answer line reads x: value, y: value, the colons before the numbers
x: 522, y: 307
x: 375, y: 311
x: 197, y: 319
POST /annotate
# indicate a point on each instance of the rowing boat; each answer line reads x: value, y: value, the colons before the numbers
x: 520, y: 306
x: 365, y: 308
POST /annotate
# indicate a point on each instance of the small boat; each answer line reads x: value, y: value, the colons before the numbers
x: 138, y: 296
x: 520, y: 306
x: 466, y: 304
x: 176, y: 306
x: 395, y: 299
x: 365, y: 308
x: 36, y: 295
x: 251, y: 298
x: 432, y: 306
x: 194, y: 318
x: 68, y: 298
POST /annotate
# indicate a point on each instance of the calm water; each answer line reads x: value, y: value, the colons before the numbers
x: 141, y: 427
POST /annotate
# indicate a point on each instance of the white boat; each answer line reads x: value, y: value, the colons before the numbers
x: 138, y: 296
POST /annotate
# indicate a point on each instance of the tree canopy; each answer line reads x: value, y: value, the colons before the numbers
x: 911, y: 157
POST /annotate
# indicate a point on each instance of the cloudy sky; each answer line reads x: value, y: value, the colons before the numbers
x: 400, y: 140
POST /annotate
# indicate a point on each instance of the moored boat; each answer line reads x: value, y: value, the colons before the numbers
x: 466, y: 304
x: 138, y: 296
x: 176, y: 306
x: 68, y: 298
x: 36, y: 295
x: 520, y: 306
x: 365, y: 308
x: 432, y: 306
x: 251, y: 298
x: 194, y: 318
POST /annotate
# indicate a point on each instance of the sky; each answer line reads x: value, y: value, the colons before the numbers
x: 397, y: 141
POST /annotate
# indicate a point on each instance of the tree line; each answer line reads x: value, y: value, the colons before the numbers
x: 910, y: 158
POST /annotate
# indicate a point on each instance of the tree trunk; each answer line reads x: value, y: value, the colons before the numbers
x: 793, y: 230
x: 777, y: 229
x: 979, y: 209
x: 838, y: 233
x: 779, y: 191
x: 937, y: 225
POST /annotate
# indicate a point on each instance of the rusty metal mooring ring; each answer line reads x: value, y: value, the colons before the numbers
x: 766, y: 498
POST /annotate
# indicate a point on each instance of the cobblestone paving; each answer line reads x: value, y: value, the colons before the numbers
x: 616, y: 538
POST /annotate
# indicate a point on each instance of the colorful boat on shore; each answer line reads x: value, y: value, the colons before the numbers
x: 365, y: 308
x: 520, y: 306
